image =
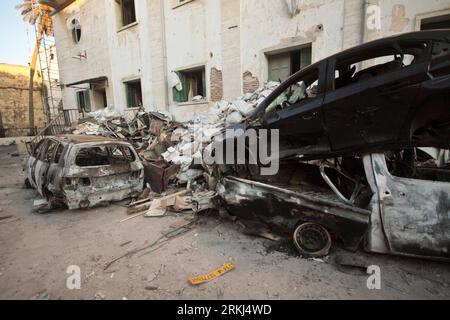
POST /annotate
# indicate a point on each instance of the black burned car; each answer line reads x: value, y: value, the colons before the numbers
x: 389, y: 93
x: 364, y: 151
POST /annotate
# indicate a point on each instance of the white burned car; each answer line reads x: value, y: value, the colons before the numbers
x: 84, y: 171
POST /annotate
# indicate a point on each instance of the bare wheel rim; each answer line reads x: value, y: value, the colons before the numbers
x: 312, y: 239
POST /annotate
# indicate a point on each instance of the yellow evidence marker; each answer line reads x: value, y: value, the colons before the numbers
x: 227, y: 267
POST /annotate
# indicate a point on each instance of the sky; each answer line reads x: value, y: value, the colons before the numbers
x: 16, y: 36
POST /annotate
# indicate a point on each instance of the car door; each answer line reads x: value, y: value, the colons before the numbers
x: 299, y: 120
x: 43, y: 164
x: 411, y: 215
x: 373, y: 106
x: 33, y: 161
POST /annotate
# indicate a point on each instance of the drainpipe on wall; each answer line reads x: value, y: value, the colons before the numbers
x: 164, y: 45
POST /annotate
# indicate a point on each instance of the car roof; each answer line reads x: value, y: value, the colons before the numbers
x: 442, y: 34
x: 83, y: 139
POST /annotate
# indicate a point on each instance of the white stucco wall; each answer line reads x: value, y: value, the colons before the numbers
x: 232, y: 36
x: 94, y: 44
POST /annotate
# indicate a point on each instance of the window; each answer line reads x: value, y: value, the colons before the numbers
x: 128, y: 12
x: 441, y: 22
x: 38, y: 149
x: 193, y: 86
x: 84, y: 102
x: 133, y: 93
x: 99, y: 98
x: 298, y: 92
x: 58, y: 154
x: 76, y: 30
x: 48, y: 154
x: 362, y: 66
x: 104, y: 156
x: 283, y: 65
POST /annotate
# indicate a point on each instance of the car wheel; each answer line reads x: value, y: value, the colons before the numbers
x: 312, y: 239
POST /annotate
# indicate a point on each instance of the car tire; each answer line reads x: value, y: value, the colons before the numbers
x: 312, y: 240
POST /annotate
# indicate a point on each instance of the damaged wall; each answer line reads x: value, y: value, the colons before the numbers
x: 14, y: 84
x: 232, y: 39
x: 94, y: 44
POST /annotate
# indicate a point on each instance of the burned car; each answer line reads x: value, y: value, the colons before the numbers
x: 364, y: 138
x: 393, y: 202
x: 84, y: 171
x: 386, y: 94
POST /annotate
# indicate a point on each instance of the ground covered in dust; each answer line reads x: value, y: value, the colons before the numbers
x: 37, y: 248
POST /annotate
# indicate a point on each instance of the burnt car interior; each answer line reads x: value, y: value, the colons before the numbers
x: 300, y: 91
x: 104, y: 156
x: 378, y: 62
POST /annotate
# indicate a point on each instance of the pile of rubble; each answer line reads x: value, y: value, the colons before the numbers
x: 168, y: 148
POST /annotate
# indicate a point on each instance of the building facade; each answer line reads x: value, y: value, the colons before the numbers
x: 181, y: 56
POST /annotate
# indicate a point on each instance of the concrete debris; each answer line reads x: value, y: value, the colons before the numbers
x: 171, y: 152
x: 200, y: 132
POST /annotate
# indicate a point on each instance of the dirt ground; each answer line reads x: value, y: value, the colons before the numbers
x: 36, y: 249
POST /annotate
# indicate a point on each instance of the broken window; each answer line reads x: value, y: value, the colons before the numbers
x: 58, y: 154
x: 50, y: 151
x: 440, y: 59
x: 283, y: 65
x: 133, y: 93
x: 376, y: 62
x: 76, y: 30
x: 39, y: 147
x: 430, y: 164
x: 104, y: 156
x: 84, y: 101
x: 193, y: 86
x: 299, y: 91
x: 128, y: 12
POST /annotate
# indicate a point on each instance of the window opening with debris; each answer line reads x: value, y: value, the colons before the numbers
x: 283, y: 65
x: 84, y: 101
x: 133, y: 90
x: 193, y: 85
x: 104, y: 156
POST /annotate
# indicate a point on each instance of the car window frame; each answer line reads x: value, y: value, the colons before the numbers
x: 333, y: 61
x: 56, y: 160
x: 110, y: 147
x: 52, y: 156
x: 41, y: 144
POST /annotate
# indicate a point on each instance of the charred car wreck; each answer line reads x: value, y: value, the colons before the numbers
x: 364, y: 139
x: 84, y: 171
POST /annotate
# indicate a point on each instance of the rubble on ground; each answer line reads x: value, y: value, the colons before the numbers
x: 168, y: 148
